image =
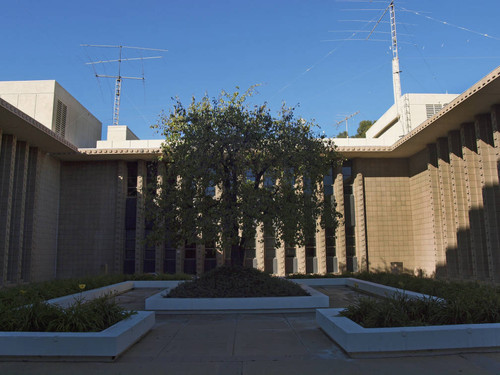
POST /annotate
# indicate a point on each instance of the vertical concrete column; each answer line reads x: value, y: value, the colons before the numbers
x: 474, y: 201
x: 200, y: 259
x: 179, y: 259
x: 140, y: 218
x: 31, y: 206
x: 320, y: 237
x: 300, y: 251
x: 7, y: 164
x: 219, y: 252
x: 435, y: 206
x: 259, y: 247
x: 340, y: 244
x: 488, y: 178
x: 460, y: 206
x: 280, y: 259
x: 446, y: 201
x: 495, y: 125
x: 359, y: 202
x: 120, y: 210
x: 17, y: 213
x: 160, y: 246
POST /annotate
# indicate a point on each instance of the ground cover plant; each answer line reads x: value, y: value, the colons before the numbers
x: 39, y: 316
x: 231, y: 282
x: 456, y: 303
x: 24, y: 294
x: 24, y: 307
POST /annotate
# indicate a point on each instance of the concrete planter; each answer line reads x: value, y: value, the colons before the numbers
x: 230, y: 305
x: 358, y: 341
x: 105, y: 345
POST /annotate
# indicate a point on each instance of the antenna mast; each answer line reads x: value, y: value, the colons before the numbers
x: 345, y: 119
x: 119, y: 77
x: 396, y: 80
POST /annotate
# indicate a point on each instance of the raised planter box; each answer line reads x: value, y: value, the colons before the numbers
x: 105, y: 345
x: 122, y: 287
x: 361, y: 285
x: 361, y: 342
x: 231, y: 305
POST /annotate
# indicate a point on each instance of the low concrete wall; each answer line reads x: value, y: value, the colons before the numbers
x: 230, y: 305
x: 104, y: 345
x: 358, y: 341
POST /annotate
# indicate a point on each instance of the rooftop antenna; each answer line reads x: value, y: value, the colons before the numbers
x: 119, y: 77
x: 345, y: 119
x: 396, y: 72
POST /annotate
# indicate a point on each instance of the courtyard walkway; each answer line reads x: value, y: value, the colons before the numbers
x: 231, y: 344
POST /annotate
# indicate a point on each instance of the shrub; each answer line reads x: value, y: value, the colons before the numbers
x: 39, y: 316
x: 226, y: 281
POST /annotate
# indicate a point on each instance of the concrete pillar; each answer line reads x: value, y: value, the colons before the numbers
x: 320, y: 238
x: 31, y: 202
x: 460, y: 206
x: 475, y: 205
x: 7, y: 164
x: 435, y: 206
x: 200, y: 259
x: 120, y: 210
x: 495, y: 125
x: 359, y: 202
x: 340, y: 242
x: 160, y: 246
x: 179, y: 259
x: 280, y: 259
x: 449, y: 228
x: 488, y: 178
x: 18, y: 213
x: 259, y: 247
x: 140, y: 218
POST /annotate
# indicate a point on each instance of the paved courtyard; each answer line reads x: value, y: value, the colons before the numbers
x: 290, y: 343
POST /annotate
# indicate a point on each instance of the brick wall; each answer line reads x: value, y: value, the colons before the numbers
x: 87, y: 218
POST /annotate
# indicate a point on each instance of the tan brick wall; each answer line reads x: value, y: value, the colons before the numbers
x: 388, y: 212
x: 87, y: 218
x: 43, y: 259
x: 421, y: 209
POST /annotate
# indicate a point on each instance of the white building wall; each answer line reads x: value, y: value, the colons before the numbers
x: 38, y: 99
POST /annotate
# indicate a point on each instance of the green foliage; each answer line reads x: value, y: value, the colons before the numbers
x: 458, y: 303
x: 342, y: 134
x: 23, y: 308
x: 23, y: 294
x: 242, y: 151
x: 227, y: 282
x: 363, y: 128
x: 39, y: 316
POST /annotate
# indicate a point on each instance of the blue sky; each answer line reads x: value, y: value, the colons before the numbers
x: 283, y: 45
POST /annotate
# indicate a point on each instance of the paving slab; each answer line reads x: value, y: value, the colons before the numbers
x: 247, y: 344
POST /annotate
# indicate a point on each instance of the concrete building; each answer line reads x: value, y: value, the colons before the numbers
x: 422, y: 198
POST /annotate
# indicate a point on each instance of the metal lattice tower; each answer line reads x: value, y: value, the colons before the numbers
x: 119, y: 77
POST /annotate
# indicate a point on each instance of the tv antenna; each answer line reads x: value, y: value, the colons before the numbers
x: 346, y: 119
x: 119, y: 77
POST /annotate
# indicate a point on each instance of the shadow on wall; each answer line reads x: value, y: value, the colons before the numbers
x: 469, y: 258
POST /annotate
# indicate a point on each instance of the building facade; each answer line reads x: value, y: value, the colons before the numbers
x: 426, y: 200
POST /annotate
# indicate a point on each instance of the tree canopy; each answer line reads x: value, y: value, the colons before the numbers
x: 361, y: 132
x: 230, y: 166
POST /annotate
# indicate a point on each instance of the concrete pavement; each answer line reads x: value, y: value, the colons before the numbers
x: 244, y: 344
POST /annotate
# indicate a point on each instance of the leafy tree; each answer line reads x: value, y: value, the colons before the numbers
x: 342, y: 134
x: 363, y: 128
x: 230, y: 166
